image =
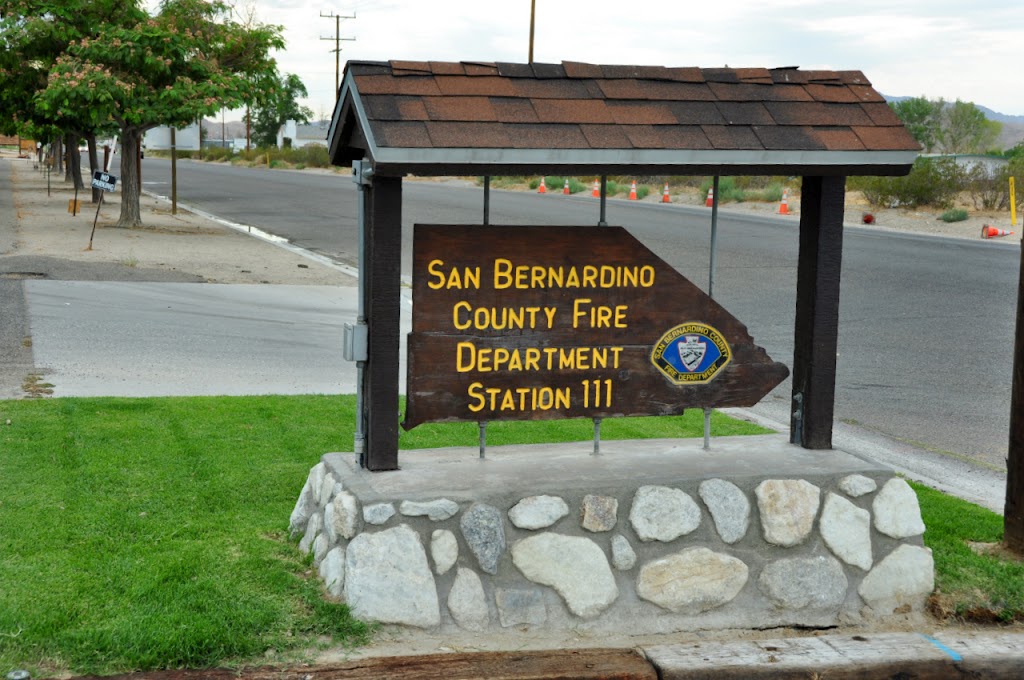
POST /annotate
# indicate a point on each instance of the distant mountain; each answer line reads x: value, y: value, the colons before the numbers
x: 1013, y: 126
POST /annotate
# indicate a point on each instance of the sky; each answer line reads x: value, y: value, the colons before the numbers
x: 952, y: 49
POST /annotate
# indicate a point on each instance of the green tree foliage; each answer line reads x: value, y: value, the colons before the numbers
x: 188, y: 60
x: 280, y: 105
x: 965, y: 129
x: 922, y: 118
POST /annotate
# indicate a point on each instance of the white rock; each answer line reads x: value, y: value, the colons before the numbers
x: 316, y: 480
x: 387, y: 579
x: 905, y: 577
x: 623, y: 555
x: 575, y: 567
x: 787, y: 508
x: 847, y: 531
x: 320, y: 547
x: 327, y: 489
x: 378, y: 513
x: 856, y: 486
x: 729, y: 508
x: 538, y: 512
x: 341, y: 517
x: 896, y: 510
x: 692, y: 581
x: 517, y: 606
x: 304, y: 507
x: 660, y: 513
x: 332, y: 571
x: 313, y: 528
x: 805, y: 583
x: 437, y: 510
x: 444, y: 549
x: 466, y: 601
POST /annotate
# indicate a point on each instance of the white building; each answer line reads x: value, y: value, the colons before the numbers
x: 303, y: 135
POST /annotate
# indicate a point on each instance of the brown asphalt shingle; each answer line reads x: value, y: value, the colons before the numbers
x: 574, y: 105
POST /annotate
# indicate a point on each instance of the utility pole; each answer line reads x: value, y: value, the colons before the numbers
x: 337, y: 46
x: 533, y: 15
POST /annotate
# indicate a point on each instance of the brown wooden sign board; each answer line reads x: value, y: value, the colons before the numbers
x: 547, y: 322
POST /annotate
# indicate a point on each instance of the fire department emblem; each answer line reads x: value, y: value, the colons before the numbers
x: 691, y: 353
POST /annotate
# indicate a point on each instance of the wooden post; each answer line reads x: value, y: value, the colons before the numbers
x: 383, y: 239
x: 817, y: 311
x: 1013, y: 511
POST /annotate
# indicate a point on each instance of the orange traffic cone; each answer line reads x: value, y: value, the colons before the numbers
x: 711, y: 198
x: 784, y: 205
x: 993, y: 232
x: 565, y: 189
x: 542, y: 189
x: 632, y: 191
x: 596, y: 193
x: 664, y: 195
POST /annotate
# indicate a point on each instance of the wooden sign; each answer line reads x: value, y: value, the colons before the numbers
x: 545, y: 322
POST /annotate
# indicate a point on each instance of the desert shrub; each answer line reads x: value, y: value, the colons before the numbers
x: 218, y: 153
x: 954, y: 215
x: 313, y: 155
x: 932, y: 181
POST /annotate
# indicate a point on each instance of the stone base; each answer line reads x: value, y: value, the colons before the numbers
x: 651, y: 536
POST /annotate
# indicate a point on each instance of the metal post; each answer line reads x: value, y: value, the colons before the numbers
x: 597, y: 436
x: 361, y: 178
x: 603, y: 221
x: 487, y: 199
x: 711, y: 286
x: 483, y: 439
x: 174, y: 174
x: 533, y: 13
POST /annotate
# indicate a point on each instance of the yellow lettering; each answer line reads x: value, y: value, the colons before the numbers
x: 532, y: 359
x: 474, y: 393
x: 590, y: 276
x: 502, y: 273
x: 455, y: 315
x: 576, y: 313
x: 549, y: 312
x: 432, y: 269
x: 460, y: 349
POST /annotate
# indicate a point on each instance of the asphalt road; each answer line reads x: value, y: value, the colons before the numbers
x: 926, y: 323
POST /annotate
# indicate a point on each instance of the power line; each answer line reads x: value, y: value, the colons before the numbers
x: 337, y: 45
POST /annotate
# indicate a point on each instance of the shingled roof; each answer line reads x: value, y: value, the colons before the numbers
x: 491, y: 118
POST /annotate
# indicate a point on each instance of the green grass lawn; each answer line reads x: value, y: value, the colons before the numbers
x: 151, y: 533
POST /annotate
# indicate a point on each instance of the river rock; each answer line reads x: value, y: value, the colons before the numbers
x: 623, y: 555
x: 341, y: 517
x: 692, y: 581
x: 575, y: 567
x: 729, y: 508
x: 484, y: 531
x: 805, y: 583
x: 466, y: 601
x: 846, y: 529
x: 517, y: 606
x: 444, y: 549
x: 537, y: 512
x: 437, y: 510
x: 787, y: 508
x: 313, y: 528
x: 304, y: 507
x: 905, y: 577
x: 660, y: 513
x: 378, y: 513
x: 856, y: 486
x: 332, y: 571
x: 599, y: 513
x: 896, y: 510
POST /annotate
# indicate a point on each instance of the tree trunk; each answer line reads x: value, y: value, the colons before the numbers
x: 57, y: 154
x: 1013, y: 511
x: 94, y: 163
x: 131, y: 216
x: 75, y: 161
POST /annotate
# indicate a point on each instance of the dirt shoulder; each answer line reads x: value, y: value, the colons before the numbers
x: 181, y: 247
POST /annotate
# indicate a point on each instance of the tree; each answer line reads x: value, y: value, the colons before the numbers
x: 188, y: 60
x: 922, y: 118
x: 965, y: 129
x: 282, y: 105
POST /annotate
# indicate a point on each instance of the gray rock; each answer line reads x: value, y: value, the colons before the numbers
x: 896, y: 510
x: 341, y: 517
x: 332, y: 571
x: 304, y: 507
x: 623, y: 555
x: 437, y: 511
x: 444, y: 548
x: 660, y: 513
x: 516, y: 607
x: 313, y: 528
x: 537, y: 512
x: 729, y: 508
x: 466, y: 601
x: 320, y: 547
x: 905, y: 577
x: 847, y: 531
x: 387, y: 579
x: 599, y: 513
x: 856, y: 486
x: 378, y: 513
x: 484, y: 531
x: 574, y: 566
x: 692, y: 581
x: 787, y: 508
x: 805, y: 583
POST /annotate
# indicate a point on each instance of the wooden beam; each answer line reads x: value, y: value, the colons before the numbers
x: 382, y: 291
x: 817, y: 311
x: 1013, y: 512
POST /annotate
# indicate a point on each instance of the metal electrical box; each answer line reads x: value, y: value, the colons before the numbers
x: 354, y: 342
